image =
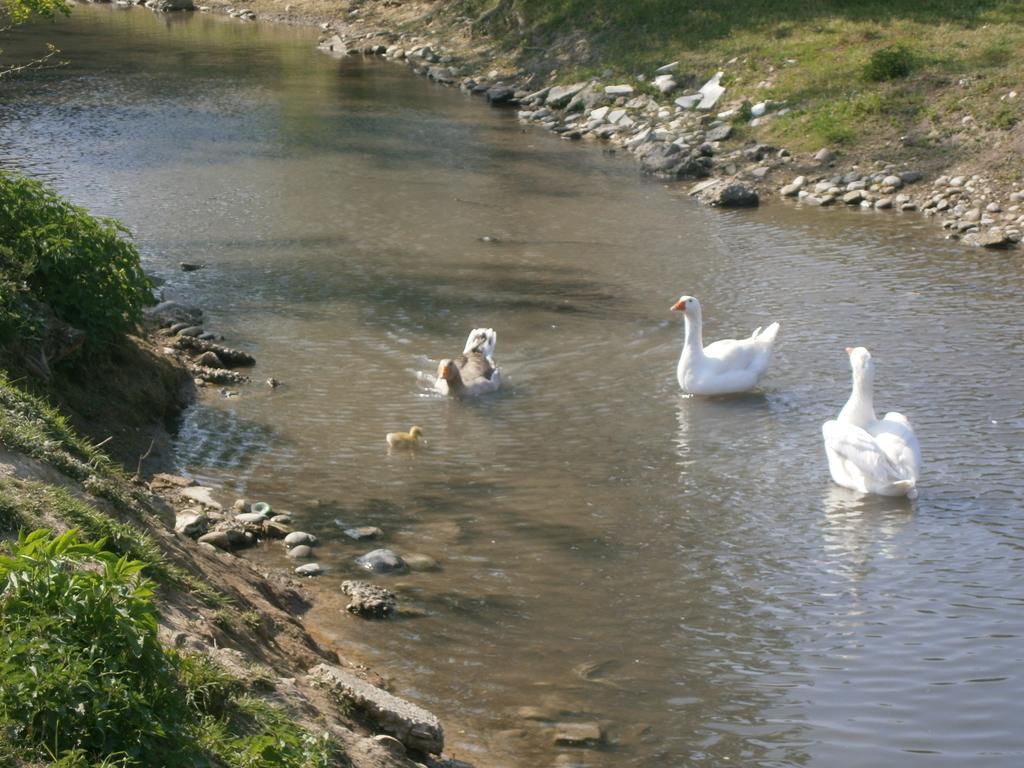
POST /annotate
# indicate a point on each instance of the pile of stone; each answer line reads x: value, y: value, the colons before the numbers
x: 208, y: 362
x: 968, y: 205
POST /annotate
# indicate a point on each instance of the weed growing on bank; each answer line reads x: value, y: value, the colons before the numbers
x: 85, y: 681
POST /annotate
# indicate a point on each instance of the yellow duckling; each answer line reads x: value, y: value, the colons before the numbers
x: 408, y: 439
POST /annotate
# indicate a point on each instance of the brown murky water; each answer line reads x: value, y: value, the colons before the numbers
x: 680, y: 571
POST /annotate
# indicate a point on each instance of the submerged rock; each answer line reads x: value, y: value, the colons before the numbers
x: 381, y: 561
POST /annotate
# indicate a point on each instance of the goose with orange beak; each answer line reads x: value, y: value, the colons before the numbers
x: 724, y: 367
x: 473, y: 372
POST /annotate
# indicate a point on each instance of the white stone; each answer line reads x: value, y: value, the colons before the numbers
x: 619, y: 90
x: 664, y: 70
x: 688, y: 102
x: 759, y: 109
x: 711, y: 91
x: 600, y: 113
x: 615, y: 115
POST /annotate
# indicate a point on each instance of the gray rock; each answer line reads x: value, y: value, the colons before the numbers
x: 561, y: 95
x: 853, y: 197
x: 309, y: 569
x: 688, y: 102
x: 730, y: 195
x: 667, y: 68
x: 363, y: 532
x: 415, y: 727
x: 300, y: 537
x: 790, y: 190
x: 711, y: 92
x: 892, y: 181
x: 210, y: 360
x: 300, y: 552
x: 381, y: 561
x: 994, y: 238
x: 578, y: 734
x: 226, y: 539
x: 192, y: 330
x: 369, y: 600
x: 191, y: 523
x: 500, y: 94
x: 719, y: 133
x: 619, y: 90
x: 883, y: 203
x: 825, y: 155
x: 672, y: 161
x: 909, y: 177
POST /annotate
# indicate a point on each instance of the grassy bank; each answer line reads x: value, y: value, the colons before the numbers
x: 870, y: 72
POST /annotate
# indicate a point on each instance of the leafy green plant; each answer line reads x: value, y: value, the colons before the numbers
x: 80, y: 664
x: 85, y: 682
x: 890, y: 63
x: 54, y: 252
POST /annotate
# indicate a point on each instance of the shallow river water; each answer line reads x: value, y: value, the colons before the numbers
x: 680, y: 571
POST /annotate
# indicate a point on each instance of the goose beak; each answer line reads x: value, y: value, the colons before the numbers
x: 678, y: 306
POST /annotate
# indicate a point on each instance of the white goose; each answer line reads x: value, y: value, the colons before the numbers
x: 473, y: 372
x: 865, y: 453
x: 726, y: 366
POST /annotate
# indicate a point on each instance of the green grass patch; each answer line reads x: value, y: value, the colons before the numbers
x: 85, y: 682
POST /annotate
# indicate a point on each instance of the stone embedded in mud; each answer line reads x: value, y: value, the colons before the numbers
x: 300, y: 537
x: 415, y: 727
x: 381, y: 561
x: 369, y: 600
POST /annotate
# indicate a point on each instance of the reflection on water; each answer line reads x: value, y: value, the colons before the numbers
x: 680, y: 571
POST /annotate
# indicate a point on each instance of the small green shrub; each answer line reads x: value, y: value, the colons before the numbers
x: 890, y: 63
x: 55, y: 253
x: 1005, y: 117
x: 84, y: 682
x: 80, y: 663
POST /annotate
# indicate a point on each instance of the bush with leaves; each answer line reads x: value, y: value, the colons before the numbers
x: 56, y: 253
x: 84, y: 680
x: 80, y: 664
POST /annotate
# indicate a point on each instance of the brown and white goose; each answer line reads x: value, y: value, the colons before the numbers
x: 473, y: 372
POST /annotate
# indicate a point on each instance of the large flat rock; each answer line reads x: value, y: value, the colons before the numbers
x: 412, y: 725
